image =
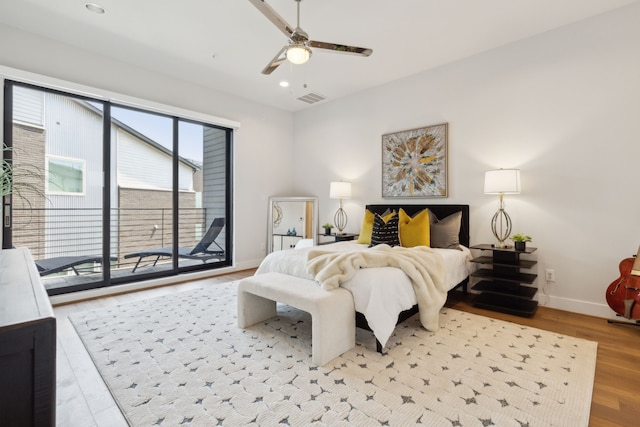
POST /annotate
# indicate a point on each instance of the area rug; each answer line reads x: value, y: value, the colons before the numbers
x: 181, y: 360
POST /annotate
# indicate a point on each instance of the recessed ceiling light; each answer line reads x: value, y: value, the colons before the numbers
x: 284, y: 83
x: 95, y: 8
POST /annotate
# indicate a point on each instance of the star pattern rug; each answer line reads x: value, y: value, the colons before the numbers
x: 180, y: 359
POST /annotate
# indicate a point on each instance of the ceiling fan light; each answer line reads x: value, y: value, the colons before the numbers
x: 298, y: 53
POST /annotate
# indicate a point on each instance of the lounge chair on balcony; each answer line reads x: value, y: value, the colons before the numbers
x: 62, y: 263
x: 200, y: 251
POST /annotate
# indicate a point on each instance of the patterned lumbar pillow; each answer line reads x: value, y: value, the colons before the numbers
x: 385, y: 232
x: 367, y: 225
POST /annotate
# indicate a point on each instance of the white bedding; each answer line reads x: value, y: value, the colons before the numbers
x: 379, y: 293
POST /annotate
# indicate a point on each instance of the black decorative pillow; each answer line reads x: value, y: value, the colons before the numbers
x: 445, y: 233
x: 385, y: 232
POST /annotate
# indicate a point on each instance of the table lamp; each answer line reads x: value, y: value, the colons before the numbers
x: 340, y: 190
x: 501, y: 181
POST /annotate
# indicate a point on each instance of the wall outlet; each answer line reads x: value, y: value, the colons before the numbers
x: 550, y: 275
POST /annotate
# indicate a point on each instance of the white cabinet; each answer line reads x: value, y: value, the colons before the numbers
x: 284, y: 241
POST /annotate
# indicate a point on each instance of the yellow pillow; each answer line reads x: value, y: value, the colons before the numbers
x: 367, y: 226
x: 414, y: 231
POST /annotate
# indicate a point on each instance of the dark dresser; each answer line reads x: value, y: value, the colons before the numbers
x: 27, y: 344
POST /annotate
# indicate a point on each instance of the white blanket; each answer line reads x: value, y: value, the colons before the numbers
x: 422, y: 265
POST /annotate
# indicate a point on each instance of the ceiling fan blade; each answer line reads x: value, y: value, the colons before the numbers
x: 341, y: 48
x: 276, y: 61
x: 273, y: 16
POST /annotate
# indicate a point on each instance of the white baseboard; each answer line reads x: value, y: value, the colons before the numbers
x: 578, y: 306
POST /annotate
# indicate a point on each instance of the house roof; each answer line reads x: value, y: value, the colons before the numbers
x: 224, y: 44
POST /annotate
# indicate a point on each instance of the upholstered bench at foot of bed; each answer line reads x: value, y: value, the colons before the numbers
x: 333, y: 328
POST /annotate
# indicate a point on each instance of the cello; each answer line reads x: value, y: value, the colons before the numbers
x: 623, y: 294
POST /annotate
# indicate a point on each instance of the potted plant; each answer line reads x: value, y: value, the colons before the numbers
x: 520, y: 241
x: 6, y: 174
x: 25, y: 175
x: 327, y: 228
x: 23, y: 183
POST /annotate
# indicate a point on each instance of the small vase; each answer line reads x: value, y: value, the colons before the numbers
x: 327, y: 231
x: 520, y: 246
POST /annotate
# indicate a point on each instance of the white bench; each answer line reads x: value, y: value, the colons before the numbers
x: 333, y: 327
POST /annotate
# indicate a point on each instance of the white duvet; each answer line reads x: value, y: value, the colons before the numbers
x: 379, y: 293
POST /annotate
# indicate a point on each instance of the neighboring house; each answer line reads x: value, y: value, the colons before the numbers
x: 62, y: 137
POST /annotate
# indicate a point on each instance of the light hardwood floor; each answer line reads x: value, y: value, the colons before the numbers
x: 84, y: 400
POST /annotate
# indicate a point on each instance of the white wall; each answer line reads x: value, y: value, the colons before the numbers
x: 262, y: 145
x: 564, y: 107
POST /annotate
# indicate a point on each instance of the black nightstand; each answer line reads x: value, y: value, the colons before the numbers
x: 501, y: 286
x: 335, y: 237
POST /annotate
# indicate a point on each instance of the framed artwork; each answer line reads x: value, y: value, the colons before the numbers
x: 414, y: 162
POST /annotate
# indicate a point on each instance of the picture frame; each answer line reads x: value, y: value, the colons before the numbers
x: 414, y: 162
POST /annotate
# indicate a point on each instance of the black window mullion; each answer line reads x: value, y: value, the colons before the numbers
x: 7, y: 138
x: 228, y: 194
x: 176, y: 195
x: 106, y: 193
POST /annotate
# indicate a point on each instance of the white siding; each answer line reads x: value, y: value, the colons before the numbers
x: 74, y: 223
x: 214, y: 176
x: 28, y: 106
x: 144, y: 167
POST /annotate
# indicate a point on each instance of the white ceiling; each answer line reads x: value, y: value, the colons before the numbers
x: 180, y: 38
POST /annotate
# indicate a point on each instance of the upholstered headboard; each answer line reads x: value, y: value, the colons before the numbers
x: 441, y: 211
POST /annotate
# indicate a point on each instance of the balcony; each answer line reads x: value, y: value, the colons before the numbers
x: 64, y: 232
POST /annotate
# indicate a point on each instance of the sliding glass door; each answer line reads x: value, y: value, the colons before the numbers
x: 203, y: 203
x: 146, y: 194
x: 141, y: 192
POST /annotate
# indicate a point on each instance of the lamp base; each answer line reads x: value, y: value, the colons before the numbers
x: 501, y: 227
x: 340, y: 220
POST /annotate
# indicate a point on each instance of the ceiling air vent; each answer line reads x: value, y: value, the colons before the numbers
x: 312, y: 98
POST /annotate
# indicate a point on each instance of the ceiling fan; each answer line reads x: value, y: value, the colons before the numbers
x: 298, y: 51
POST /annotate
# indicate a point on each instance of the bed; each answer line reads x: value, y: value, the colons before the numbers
x: 384, y: 296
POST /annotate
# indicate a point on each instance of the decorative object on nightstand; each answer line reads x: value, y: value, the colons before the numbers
x: 327, y: 229
x: 501, y: 181
x: 501, y: 286
x: 340, y: 190
x: 520, y: 241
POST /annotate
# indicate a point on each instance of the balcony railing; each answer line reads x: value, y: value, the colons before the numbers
x: 56, y: 232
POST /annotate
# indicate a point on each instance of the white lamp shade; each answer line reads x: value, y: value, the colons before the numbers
x: 506, y: 181
x: 340, y: 190
x: 298, y: 54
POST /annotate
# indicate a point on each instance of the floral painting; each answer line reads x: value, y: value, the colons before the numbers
x: 414, y: 162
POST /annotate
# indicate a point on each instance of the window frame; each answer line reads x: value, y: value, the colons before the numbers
x: 47, y: 187
x: 12, y: 77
